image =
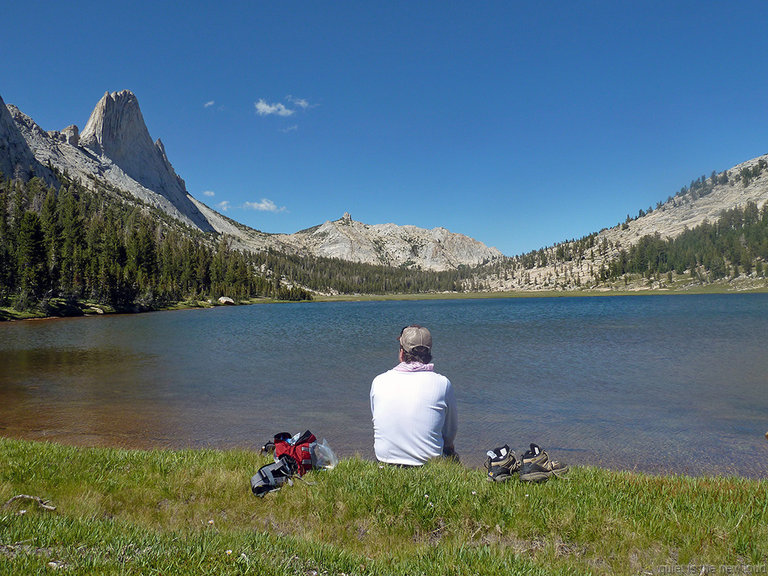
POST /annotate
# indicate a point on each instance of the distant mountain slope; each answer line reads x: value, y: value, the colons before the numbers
x: 17, y: 160
x: 63, y: 151
x: 579, y: 263
x: 115, y: 148
x: 704, y: 202
x: 116, y: 130
x: 391, y: 245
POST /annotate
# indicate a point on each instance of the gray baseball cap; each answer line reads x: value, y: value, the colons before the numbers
x: 413, y: 336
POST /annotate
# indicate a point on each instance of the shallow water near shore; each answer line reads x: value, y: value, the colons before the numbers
x: 662, y: 384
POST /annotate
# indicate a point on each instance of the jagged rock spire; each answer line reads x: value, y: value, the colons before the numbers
x: 116, y: 125
x: 116, y: 130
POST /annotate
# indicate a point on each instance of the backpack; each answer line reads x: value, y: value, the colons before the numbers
x: 293, y: 457
x: 298, y: 451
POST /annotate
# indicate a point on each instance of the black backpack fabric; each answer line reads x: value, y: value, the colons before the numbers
x: 271, y: 477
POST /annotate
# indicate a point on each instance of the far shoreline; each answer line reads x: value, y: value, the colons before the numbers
x: 89, y: 308
x: 699, y: 290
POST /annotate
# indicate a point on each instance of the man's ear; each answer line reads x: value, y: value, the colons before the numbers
x: 400, y: 355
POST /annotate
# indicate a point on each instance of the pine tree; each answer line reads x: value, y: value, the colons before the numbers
x: 30, y: 258
x: 52, y: 238
x: 72, y: 276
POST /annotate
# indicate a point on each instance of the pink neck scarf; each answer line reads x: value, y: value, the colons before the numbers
x: 414, y: 367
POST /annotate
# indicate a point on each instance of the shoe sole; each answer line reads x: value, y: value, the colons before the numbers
x: 503, y: 478
x: 503, y: 474
x: 541, y: 476
x: 535, y: 476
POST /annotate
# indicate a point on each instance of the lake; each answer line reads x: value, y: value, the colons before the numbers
x: 662, y: 384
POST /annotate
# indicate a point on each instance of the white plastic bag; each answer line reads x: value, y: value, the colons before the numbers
x: 323, y: 456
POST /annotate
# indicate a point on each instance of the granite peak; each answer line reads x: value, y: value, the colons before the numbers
x: 115, y: 148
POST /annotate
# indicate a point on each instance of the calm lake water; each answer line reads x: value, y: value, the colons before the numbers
x: 654, y: 383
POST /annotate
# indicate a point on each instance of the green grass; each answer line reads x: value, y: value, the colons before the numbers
x: 181, y: 512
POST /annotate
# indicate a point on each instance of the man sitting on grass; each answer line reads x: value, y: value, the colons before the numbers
x: 413, y: 407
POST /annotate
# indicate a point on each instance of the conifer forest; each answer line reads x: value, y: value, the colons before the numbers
x: 73, y: 243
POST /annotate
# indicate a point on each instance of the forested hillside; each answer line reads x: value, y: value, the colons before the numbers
x: 734, y: 245
x: 714, y: 230
x: 71, y: 243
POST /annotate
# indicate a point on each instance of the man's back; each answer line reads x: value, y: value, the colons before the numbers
x: 414, y: 414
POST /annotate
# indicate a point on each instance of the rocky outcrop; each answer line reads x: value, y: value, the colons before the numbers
x: 391, y: 245
x: 17, y: 160
x: 115, y: 149
x: 116, y: 130
x: 87, y: 168
x: 70, y: 135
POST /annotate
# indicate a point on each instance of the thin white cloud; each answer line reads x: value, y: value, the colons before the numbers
x: 209, y: 193
x: 300, y: 102
x: 288, y: 108
x: 290, y: 128
x: 223, y: 205
x: 209, y: 103
x: 265, y: 109
x: 266, y: 205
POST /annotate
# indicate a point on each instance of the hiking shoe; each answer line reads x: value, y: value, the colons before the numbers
x: 501, y: 464
x: 537, y: 467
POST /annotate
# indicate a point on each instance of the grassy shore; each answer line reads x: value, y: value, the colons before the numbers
x: 191, y: 512
x: 699, y: 289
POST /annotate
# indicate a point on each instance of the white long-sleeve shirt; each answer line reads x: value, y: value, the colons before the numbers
x: 414, y: 414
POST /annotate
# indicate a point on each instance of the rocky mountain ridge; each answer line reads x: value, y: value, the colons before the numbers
x: 88, y: 165
x: 115, y: 148
x: 688, y: 210
x: 549, y: 268
x: 16, y: 158
x: 391, y: 245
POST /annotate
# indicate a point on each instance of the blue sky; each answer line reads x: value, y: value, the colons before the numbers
x: 520, y: 124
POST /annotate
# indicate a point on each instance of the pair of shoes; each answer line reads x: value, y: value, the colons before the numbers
x: 501, y: 464
x: 537, y: 467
